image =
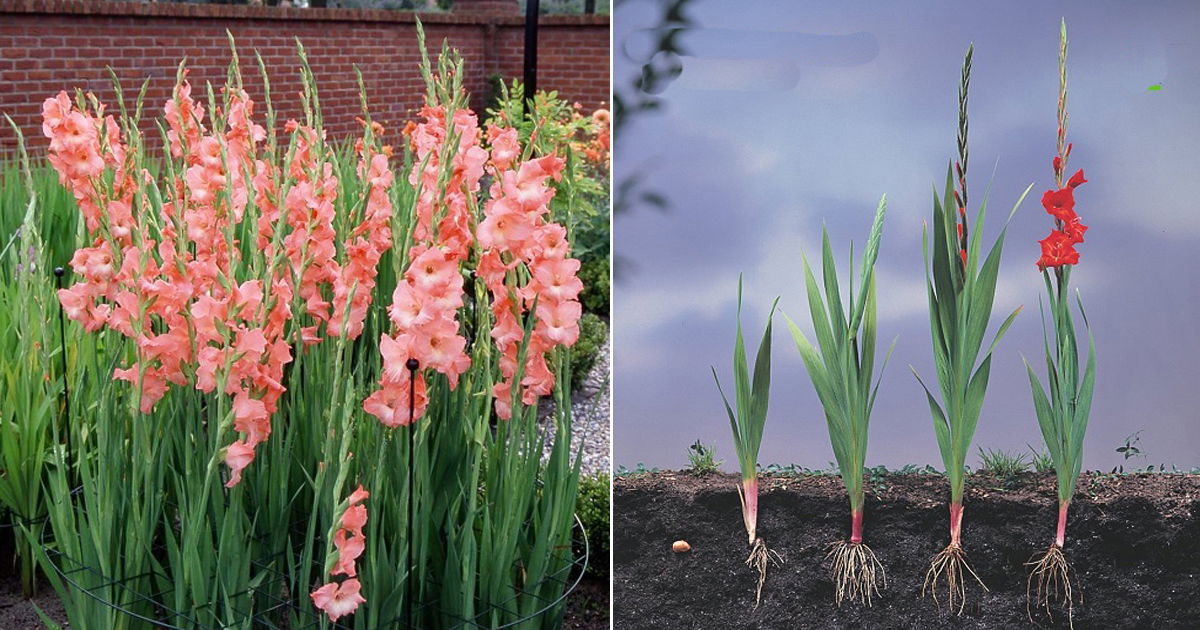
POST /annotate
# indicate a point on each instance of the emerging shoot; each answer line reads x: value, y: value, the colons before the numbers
x: 747, y: 424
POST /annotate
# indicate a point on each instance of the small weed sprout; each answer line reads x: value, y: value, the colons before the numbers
x: 1002, y: 463
x: 1130, y: 448
x: 1041, y: 460
x: 702, y: 459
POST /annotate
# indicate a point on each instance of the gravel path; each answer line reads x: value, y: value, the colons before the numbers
x: 591, y: 413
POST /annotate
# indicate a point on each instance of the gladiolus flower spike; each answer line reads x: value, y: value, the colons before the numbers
x: 961, y: 293
x: 841, y: 367
x: 751, y: 397
x: 1062, y: 413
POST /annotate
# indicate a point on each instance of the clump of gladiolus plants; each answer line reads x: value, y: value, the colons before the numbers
x: 309, y: 372
x: 842, y: 367
x: 961, y: 287
x: 751, y: 396
x: 1063, y: 414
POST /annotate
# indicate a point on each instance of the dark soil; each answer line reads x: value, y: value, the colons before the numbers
x: 17, y: 612
x: 1133, y: 542
x: 587, y: 606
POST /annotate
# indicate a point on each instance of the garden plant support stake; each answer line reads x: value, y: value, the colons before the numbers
x: 747, y: 424
x: 961, y: 292
x: 842, y: 370
x: 1063, y: 414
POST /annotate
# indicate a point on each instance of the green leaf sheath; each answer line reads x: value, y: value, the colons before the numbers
x: 842, y: 365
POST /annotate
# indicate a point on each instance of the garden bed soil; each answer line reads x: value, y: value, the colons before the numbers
x: 17, y: 612
x: 587, y: 606
x: 1133, y: 542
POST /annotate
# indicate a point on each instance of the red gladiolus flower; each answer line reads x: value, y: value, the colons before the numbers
x: 1057, y: 250
x: 1076, y: 179
x: 1060, y: 203
x: 1074, y: 229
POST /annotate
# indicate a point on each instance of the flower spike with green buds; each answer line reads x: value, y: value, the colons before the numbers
x: 961, y: 289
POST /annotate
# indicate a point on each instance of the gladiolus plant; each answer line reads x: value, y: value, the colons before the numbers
x: 961, y: 288
x: 751, y: 397
x: 1063, y: 413
x: 842, y: 367
x: 310, y: 370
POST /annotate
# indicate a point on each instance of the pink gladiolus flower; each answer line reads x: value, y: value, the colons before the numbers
x: 505, y: 146
x: 390, y: 403
x: 349, y: 547
x: 354, y: 518
x: 338, y: 600
x: 506, y: 228
x: 557, y: 280
x: 237, y: 457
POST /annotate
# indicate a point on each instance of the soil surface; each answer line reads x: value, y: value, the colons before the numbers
x: 1133, y: 542
x: 587, y: 606
x: 16, y: 611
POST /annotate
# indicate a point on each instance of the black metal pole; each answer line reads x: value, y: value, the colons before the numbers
x: 532, y: 8
x: 59, y: 272
x: 412, y: 366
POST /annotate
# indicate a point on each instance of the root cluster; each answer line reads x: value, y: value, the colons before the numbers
x: 855, y: 571
x: 1052, y: 576
x: 950, y: 564
x: 760, y: 557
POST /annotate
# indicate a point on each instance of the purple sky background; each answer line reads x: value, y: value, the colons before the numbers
x: 775, y: 127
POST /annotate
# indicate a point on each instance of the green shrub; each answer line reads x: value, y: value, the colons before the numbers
x: 595, y: 276
x: 593, y: 332
x: 592, y: 507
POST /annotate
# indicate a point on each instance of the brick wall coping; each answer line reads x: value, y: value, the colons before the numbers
x: 228, y: 11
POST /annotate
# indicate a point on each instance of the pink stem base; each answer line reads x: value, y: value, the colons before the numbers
x: 856, y: 527
x: 1060, y: 536
x: 750, y: 507
x: 956, y: 514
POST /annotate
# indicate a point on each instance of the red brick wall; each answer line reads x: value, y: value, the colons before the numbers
x: 52, y: 45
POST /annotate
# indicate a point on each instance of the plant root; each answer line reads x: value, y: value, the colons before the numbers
x: 760, y: 557
x: 1052, y: 574
x: 950, y: 563
x: 854, y: 571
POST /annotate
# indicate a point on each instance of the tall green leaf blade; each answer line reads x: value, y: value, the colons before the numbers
x: 820, y: 377
x: 741, y: 373
x: 733, y: 423
x: 941, y: 428
x: 816, y: 307
x: 1045, y: 417
x: 833, y: 297
x: 761, y: 386
x: 974, y: 405
x: 870, y: 255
